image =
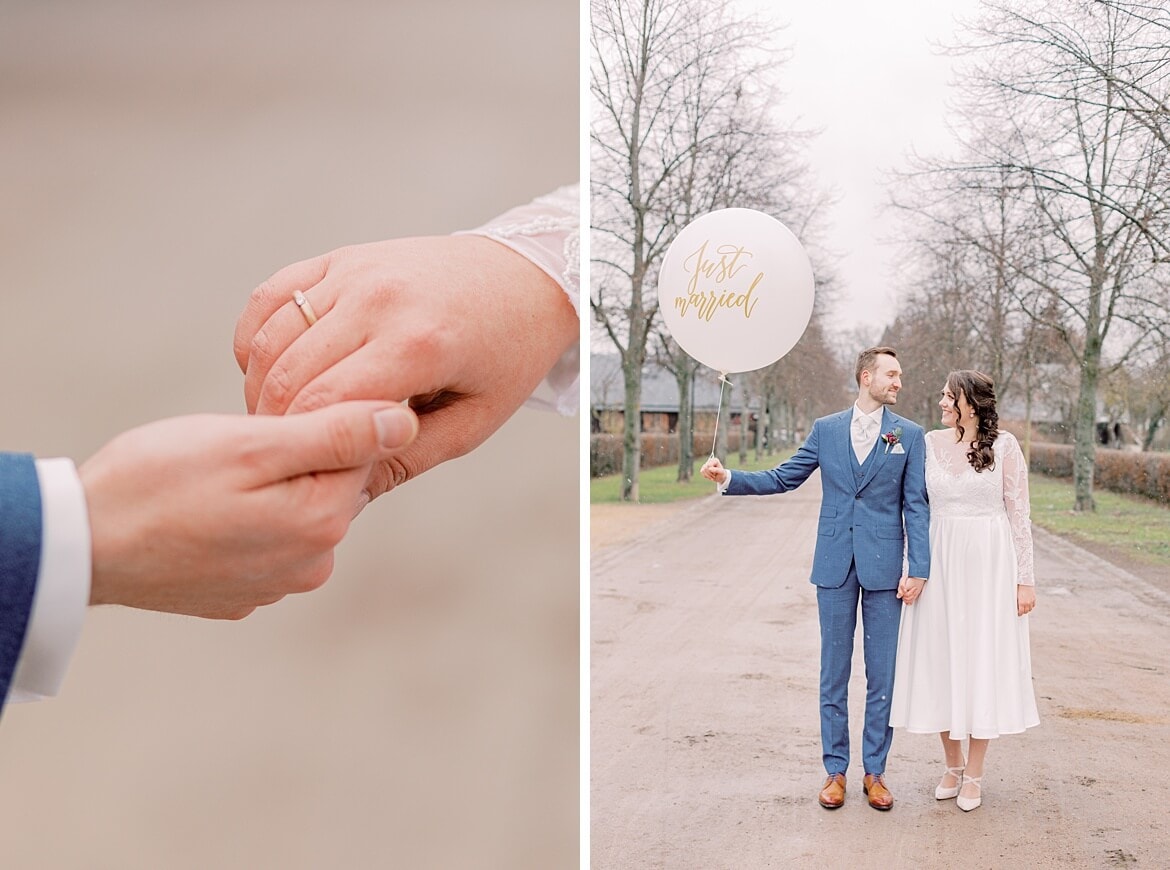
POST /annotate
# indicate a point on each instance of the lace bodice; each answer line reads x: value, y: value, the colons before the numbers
x: 957, y: 490
x: 547, y: 231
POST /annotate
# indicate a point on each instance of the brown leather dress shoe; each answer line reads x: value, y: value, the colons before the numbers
x: 833, y: 793
x: 879, y: 796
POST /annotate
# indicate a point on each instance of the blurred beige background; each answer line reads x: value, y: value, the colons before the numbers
x: 156, y: 162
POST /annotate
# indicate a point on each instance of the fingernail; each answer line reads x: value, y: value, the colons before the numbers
x: 396, y: 426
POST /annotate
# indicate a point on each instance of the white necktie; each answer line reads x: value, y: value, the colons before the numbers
x: 862, y: 437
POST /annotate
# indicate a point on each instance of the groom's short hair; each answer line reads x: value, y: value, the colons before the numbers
x: 867, y: 358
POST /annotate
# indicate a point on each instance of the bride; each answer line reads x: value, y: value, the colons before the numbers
x: 964, y: 668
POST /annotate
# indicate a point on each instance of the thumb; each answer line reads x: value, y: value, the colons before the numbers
x: 344, y: 435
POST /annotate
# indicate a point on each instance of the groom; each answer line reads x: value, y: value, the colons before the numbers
x: 873, y: 481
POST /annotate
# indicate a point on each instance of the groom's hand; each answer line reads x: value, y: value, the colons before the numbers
x: 910, y: 588
x: 215, y: 515
x: 714, y: 471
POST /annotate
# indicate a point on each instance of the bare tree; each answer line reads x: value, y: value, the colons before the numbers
x: 1146, y: 394
x: 807, y: 383
x: 682, y: 124
x: 1048, y: 120
x: 1138, y: 73
x: 676, y: 361
x: 967, y: 303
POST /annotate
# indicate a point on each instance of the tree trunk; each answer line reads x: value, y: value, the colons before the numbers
x: 1085, y: 425
x: 743, y: 429
x: 764, y: 425
x: 1085, y: 430
x: 1152, y: 429
x: 632, y: 431
x: 1027, y: 416
x: 684, y: 376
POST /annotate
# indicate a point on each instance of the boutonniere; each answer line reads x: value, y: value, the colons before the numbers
x: 893, y: 439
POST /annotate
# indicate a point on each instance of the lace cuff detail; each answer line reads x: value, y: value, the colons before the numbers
x: 1018, y: 506
x: 547, y: 232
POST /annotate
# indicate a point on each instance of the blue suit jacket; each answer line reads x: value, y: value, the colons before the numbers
x: 868, y: 523
x: 20, y: 556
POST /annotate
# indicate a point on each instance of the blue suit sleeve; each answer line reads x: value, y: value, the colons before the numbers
x: 784, y: 477
x: 916, y: 508
x: 20, y: 556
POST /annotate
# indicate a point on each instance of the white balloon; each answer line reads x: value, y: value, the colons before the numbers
x: 736, y: 289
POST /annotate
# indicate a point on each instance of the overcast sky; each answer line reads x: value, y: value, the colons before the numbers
x: 870, y: 77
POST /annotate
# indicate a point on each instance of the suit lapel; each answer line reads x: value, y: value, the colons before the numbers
x: 845, y: 442
x: 880, y: 452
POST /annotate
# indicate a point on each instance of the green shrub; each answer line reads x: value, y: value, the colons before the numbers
x: 1123, y: 471
x: 605, y: 455
x: 1055, y: 460
x: 1146, y: 474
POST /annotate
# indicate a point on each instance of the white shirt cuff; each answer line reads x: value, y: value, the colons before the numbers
x: 62, y: 592
x: 726, y: 483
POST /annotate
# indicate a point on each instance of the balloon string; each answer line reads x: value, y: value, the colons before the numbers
x: 718, y: 410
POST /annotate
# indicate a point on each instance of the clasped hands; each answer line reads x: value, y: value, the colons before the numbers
x: 909, y: 588
x: 215, y: 515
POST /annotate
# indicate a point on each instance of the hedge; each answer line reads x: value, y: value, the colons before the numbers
x: 1055, y: 460
x: 1121, y: 471
x: 605, y: 451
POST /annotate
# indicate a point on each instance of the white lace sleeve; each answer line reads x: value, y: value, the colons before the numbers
x: 547, y: 231
x: 1017, y: 504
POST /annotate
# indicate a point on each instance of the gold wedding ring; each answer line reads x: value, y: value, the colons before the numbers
x: 306, y: 309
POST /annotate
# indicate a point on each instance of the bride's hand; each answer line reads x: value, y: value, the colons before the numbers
x: 1025, y: 599
x: 462, y: 325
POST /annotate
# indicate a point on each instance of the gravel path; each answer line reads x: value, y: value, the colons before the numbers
x: 705, y: 747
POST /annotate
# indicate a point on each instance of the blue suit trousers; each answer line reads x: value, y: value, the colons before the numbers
x: 881, y: 611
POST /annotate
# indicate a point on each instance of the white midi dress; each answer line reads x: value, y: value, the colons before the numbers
x: 964, y: 663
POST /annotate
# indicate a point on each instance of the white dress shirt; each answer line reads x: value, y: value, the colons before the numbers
x: 865, y: 438
x: 62, y: 591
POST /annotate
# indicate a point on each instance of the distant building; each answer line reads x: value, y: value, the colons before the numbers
x: 1053, y: 408
x: 660, y: 399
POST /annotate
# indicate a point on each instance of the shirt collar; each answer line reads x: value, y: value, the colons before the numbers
x: 876, y: 416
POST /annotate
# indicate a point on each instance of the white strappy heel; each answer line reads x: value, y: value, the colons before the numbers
x: 941, y: 793
x: 967, y: 804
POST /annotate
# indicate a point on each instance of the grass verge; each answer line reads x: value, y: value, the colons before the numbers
x: 660, y: 485
x: 1137, y: 528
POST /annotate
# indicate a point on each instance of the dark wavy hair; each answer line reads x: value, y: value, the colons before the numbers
x: 979, y: 390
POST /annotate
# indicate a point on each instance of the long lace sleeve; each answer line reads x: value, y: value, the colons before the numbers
x: 1017, y: 504
x: 547, y: 231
